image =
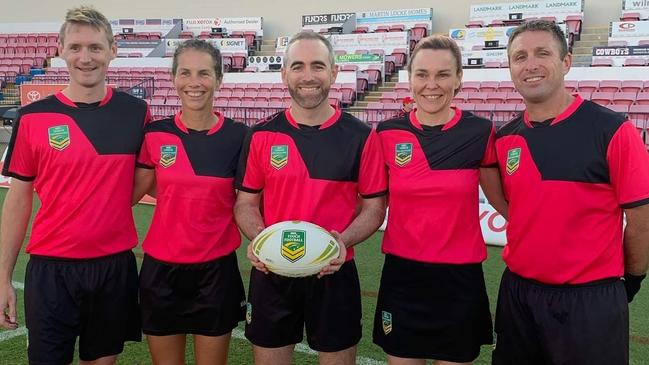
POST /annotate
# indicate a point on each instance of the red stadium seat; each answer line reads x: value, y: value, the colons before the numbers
x: 402, y: 86
x: 249, y: 95
x: 266, y: 86
x: 240, y: 87
x: 397, y: 28
x: 588, y: 86
x: 506, y: 86
x: 619, y: 108
x: 642, y: 98
x: 466, y: 106
x: 496, y: 98
x: 263, y: 96
x: 586, y: 95
x: 602, y: 62
x: 239, y: 61
x: 489, y: 86
x: 223, y: 94
x: 361, y: 29
x: 476, y: 97
x: 639, y: 113
x: 348, y: 91
x: 634, y: 86
x: 400, y: 55
x: 382, y: 29
x: 635, y: 62
x: 609, y: 85
x: 276, y: 96
x: 236, y: 95
x: 475, y: 24
x: 402, y: 95
x: 573, y: 22
x: 484, y: 110
x: 388, y: 97
x: 471, y: 86
x: 571, y: 85
x: 602, y: 98
x: 460, y: 97
x: 221, y: 103
x: 624, y: 98
x: 250, y: 36
x: 504, y: 112
x: 186, y: 34
x: 630, y: 16
x: 375, y: 77
x: 418, y: 31
x: 373, y: 111
x: 514, y: 98
x: 275, y: 104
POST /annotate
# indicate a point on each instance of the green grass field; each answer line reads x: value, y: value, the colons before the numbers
x: 369, y: 260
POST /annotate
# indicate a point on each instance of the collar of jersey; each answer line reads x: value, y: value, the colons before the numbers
x: 180, y: 125
x: 65, y: 100
x: 561, y: 117
x: 448, y: 125
x: 328, y: 123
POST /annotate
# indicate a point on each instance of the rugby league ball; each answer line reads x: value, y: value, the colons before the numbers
x: 295, y: 248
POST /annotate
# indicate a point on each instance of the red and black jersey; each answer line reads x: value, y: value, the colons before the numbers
x: 82, y: 162
x: 433, y: 183
x: 313, y: 174
x: 567, y: 181
x: 193, y: 220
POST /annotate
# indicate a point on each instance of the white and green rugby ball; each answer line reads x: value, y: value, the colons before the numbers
x: 295, y: 248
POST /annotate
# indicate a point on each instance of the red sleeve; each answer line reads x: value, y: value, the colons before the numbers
x: 147, y: 117
x: 20, y: 162
x: 628, y: 163
x: 490, y: 159
x: 250, y: 173
x: 373, y: 175
x: 144, y: 159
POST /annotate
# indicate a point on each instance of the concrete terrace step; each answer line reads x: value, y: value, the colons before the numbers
x: 595, y: 30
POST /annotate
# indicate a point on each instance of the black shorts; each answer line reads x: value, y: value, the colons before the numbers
x: 279, y: 308
x: 204, y: 299
x: 568, y: 324
x: 432, y: 311
x: 94, y: 299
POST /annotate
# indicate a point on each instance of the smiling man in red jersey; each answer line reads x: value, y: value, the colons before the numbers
x: 312, y: 162
x: 570, y: 169
x: 77, y: 150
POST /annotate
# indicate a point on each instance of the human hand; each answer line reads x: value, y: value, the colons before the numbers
x: 335, y: 264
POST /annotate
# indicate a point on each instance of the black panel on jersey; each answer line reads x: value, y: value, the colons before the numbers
x: 574, y: 149
x: 333, y: 153
x: 214, y: 155
x: 113, y: 128
x: 10, y: 149
x: 460, y: 147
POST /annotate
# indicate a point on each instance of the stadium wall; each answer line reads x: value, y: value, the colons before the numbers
x: 280, y: 18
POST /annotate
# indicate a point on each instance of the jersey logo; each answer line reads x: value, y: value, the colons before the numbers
x: 402, y: 154
x: 513, y: 160
x: 279, y: 156
x: 168, y: 155
x: 59, y: 137
x: 293, y: 244
x: 386, y: 320
x: 248, y: 313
